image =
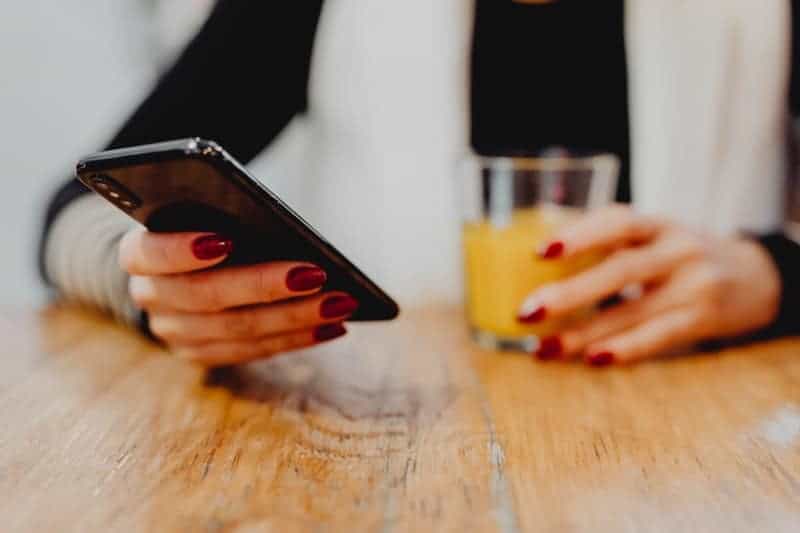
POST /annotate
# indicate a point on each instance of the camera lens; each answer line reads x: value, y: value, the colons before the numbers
x: 114, y: 192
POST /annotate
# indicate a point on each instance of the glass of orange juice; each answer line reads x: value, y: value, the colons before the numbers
x: 512, y: 205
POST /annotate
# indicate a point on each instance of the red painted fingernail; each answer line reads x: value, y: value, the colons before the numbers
x: 329, y: 332
x: 549, y: 348
x: 600, y: 359
x: 337, y: 306
x: 305, y: 278
x: 552, y: 251
x: 537, y: 315
x: 211, y: 247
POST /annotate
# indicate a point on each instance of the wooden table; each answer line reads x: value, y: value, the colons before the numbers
x: 400, y: 427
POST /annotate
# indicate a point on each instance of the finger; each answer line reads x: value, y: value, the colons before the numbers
x: 600, y: 230
x: 234, y: 352
x: 573, y: 341
x: 252, y: 322
x: 623, y: 268
x: 675, y: 329
x: 145, y: 253
x: 217, y: 290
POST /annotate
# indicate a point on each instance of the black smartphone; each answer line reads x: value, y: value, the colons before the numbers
x: 195, y: 185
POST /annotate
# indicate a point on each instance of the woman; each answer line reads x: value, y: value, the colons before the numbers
x: 696, y: 107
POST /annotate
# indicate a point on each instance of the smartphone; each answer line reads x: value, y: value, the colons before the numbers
x: 195, y: 185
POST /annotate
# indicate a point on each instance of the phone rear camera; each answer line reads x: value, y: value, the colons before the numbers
x: 115, y: 192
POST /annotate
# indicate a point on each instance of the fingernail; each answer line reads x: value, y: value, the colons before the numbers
x: 337, y: 306
x: 305, y: 278
x: 600, y: 359
x: 211, y: 247
x: 552, y: 250
x: 329, y: 332
x: 549, y: 348
x: 536, y: 315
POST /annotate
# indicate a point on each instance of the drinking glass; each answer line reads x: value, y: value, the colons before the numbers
x: 511, y: 207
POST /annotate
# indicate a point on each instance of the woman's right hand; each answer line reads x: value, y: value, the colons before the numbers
x: 228, y: 315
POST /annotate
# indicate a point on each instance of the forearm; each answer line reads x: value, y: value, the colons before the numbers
x: 79, y: 257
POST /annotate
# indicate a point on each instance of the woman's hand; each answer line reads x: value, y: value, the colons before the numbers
x: 228, y: 315
x: 694, y: 287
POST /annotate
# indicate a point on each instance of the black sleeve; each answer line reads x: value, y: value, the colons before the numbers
x: 785, y: 254
x: 239, y: 82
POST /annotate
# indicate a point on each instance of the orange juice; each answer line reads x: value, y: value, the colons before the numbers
x: 503, y: 268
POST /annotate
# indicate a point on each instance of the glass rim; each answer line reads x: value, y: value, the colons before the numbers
x: 567, y: 161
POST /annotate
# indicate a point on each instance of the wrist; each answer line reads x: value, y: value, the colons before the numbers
x: 763, y: 277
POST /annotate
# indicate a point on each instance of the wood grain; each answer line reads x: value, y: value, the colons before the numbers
x: 399, y: 427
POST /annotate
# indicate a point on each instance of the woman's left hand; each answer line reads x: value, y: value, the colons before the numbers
x: 695, y: 287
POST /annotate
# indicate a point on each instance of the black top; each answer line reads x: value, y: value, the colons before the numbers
x: 541, y: 75
x: 550, y: 75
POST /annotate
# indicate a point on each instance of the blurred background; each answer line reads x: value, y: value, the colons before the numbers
x: 51, y: 111
x: 55, y: 107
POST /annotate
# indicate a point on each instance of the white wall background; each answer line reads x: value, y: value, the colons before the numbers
x: 373, y: 166
x: 55, y: 107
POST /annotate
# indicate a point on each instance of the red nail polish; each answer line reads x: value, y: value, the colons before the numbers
x: 329, y: 332
x: 600, y: 359
x: 305, y: 278
x: 552, y: 250
x: 211, y: 247
x: 337, y: 306
x: 537, y: 315
x: 549, y: 348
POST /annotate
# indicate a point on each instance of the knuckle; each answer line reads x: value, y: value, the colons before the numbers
x: 204, y: 292
x: 296, y: 314
x: 240, y: 324
x: 627, y: 265
x: 164, y: 253
x: 689, y: 326
x: 627, y: 223
x: 713, y: 284
x: 622, y: 220
x: 573, y: 340
x: 264, y: 284
x: 709, y: 278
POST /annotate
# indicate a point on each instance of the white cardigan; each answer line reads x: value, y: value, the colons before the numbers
x: 709, y: 118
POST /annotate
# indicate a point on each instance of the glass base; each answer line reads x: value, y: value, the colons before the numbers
x: 492, y: 341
